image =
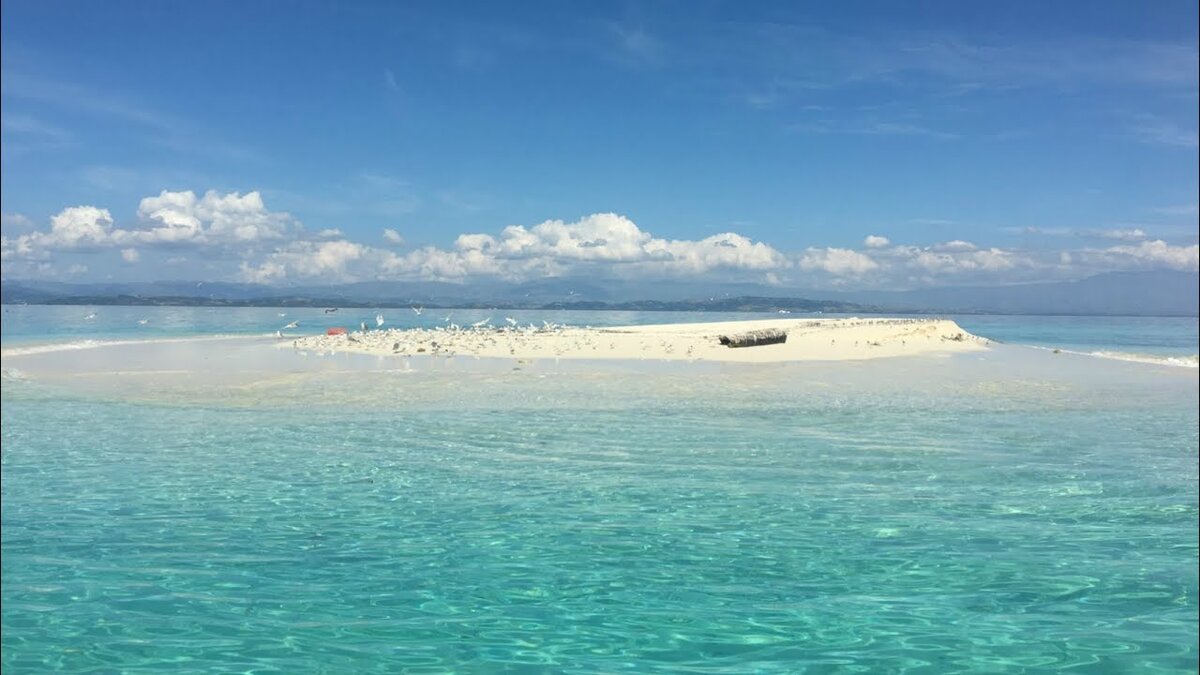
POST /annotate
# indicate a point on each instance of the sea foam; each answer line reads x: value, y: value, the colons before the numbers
x: 1192, y: 361
x: 49, y: 348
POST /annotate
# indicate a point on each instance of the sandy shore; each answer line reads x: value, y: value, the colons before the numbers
x: 807, y: 340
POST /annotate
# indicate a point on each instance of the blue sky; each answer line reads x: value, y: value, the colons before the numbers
x: 862, y: 144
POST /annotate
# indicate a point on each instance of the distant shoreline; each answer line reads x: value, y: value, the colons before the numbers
x: 726, y: 305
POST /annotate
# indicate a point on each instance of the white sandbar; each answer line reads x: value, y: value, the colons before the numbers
x: 807, y: 340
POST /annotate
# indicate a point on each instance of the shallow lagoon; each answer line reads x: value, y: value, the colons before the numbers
x: 227, y: 505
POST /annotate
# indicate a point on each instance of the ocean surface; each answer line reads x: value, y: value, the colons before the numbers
x: 1175, y: 339
x: 181, y: 495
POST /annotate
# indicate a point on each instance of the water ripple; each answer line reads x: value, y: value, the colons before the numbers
x: 680, y: 537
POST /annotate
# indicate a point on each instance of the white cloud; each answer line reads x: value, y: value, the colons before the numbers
x: 958, y: 245
x: 611, y: 238
x: 77, y: 228
x: 840, y: 262
x: 1125, y: 234
x: 273, y: 247
x: 1150, y: 254
x: 958, y: 261
x: 214, y: 220
x: 331, y: 260
x: 393, y: 237
x: 15, y: 222
x: 604, y: 242
x: 172, y: 219
x: 905, y: 265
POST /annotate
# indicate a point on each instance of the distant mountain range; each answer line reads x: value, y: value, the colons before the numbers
x: 1116, y: 293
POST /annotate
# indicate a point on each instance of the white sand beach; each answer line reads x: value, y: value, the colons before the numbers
x: 807, y: 340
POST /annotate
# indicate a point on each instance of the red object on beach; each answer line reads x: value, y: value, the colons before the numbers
x: 336, y: 331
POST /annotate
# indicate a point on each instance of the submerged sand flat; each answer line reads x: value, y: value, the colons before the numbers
x: 807, y: 340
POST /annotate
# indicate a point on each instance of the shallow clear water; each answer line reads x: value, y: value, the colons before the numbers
x: 25, y: 324
x: 1011, y: 511
x: 1161, y: 336
x: 30, y: 324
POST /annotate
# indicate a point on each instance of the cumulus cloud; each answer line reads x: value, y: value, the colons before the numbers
x: 77, y: 228
x: 840, y: 262
x: 272, y: 247
x: 1125, y: 234
x: 604, y: 242
x: 333, y: 260
x: 957, y: 261
x: 214, y: 219
x: 906, y: 264
x: 1149, y: 254
x: 9, y: 250
x: 172, y: 219
x: 611, y: 238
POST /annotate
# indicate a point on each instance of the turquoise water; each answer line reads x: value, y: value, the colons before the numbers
x: 1152, y: 336
x: 29, y: 324
x: 25, y: 324
x: 1013, y: 511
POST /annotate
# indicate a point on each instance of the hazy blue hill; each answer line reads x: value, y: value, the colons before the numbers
x: 1161, y: 293
x: 1129, y: 293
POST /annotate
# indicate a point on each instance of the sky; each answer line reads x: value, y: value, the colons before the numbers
x: 828, y: 145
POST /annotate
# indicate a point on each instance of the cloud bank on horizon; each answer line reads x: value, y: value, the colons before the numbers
x: 238, y: 234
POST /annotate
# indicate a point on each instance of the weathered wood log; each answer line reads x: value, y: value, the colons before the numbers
x: 755, y: 338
